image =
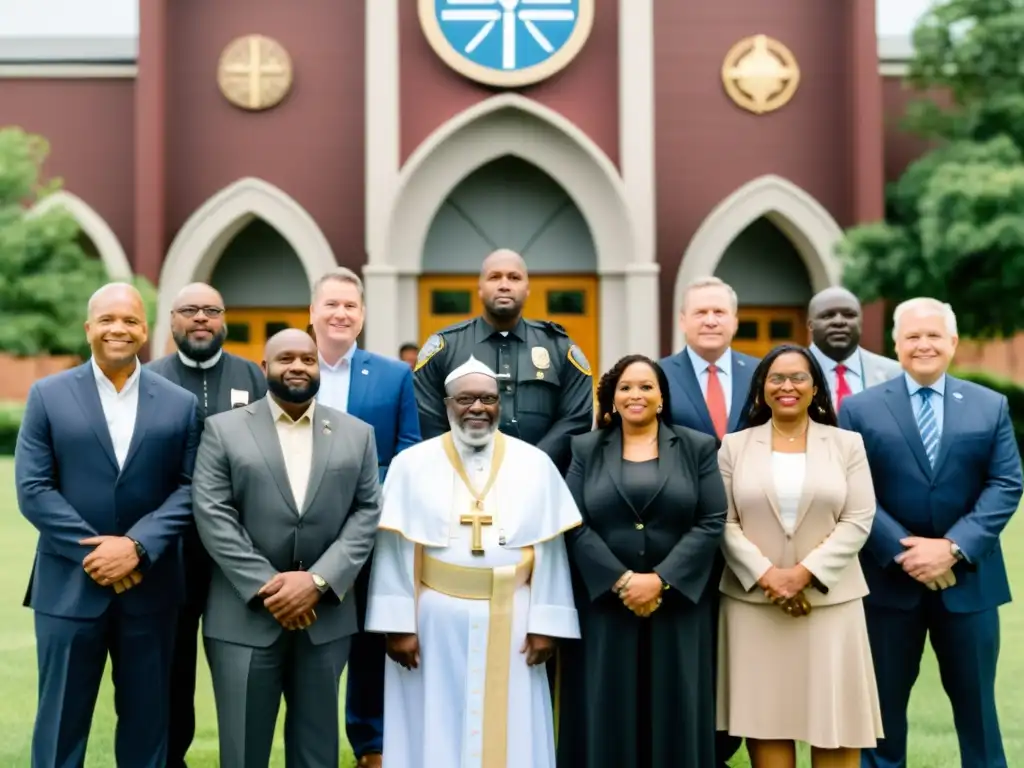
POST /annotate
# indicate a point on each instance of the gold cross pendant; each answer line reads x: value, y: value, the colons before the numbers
x: 477, y: 520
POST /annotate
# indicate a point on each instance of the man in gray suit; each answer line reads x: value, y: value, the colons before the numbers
x: 835, y: 320
x: 286, y: 501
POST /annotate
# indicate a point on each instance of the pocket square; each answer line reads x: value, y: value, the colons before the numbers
x: 239, y: 397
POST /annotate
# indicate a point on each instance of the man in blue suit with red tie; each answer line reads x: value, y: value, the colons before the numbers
x: 103, y: 470
x: 709, y: 385
x: 947, y: 479
x: 379, y: 391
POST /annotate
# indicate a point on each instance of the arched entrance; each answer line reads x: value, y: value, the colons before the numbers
x: 509, y: 203
x: 98, y: 236
x: 776, y: 246
x: 254, y: 228
x: 502, y: 127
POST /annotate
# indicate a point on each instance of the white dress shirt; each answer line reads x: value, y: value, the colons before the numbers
x: 335, y: 380
x: 120, y: 409
x: 296, y: 437
x: 854, y: 370
x: 788, y: 471
x: 724, y: 366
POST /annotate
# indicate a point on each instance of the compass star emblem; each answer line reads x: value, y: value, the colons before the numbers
x: 760, y: 74
x: 507, y: 42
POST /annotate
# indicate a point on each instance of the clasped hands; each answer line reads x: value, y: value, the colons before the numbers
x: 929, y: 561
x: 784, y: 587
x: 640, y: 592
x: 114, y: 562
x: 291, y: 597
x: 404, y: 649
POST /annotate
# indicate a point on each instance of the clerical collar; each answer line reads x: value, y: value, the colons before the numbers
x: 196, y: 364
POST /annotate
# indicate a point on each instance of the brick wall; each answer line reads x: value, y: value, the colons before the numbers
x: 18, y: 373
x: 1004, y: 358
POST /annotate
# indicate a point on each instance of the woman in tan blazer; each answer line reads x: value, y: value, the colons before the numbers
x: 792, y: 634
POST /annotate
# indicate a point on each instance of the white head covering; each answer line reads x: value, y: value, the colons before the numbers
x: 471, y: 366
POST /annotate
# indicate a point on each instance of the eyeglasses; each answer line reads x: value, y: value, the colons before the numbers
x: 778, y: 379
x: 467, y: 400
x: 210, y: 312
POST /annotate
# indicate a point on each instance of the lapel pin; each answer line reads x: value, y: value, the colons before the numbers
x: 327, y: 427
x: 958, y: 396
x: 365, y: 372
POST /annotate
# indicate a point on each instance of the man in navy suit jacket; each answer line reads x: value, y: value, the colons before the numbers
x: 709, y: 384
x: 103, y: 469
x: 947, y: 478
x: 379, y: 391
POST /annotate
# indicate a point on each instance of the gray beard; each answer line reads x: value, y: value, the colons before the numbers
x: 476, y: 439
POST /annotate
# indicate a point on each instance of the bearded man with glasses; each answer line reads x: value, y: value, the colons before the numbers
x: 220, y: 381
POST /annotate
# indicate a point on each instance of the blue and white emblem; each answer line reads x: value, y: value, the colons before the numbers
x: 507, y: 43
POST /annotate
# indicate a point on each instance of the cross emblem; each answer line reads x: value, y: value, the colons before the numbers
x: 760, y: 74
x: 255, y: 72
x: 478, y: 520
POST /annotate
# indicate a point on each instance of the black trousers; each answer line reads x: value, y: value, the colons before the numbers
x: 182, y: 725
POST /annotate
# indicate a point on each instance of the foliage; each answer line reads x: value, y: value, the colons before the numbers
x: 10, y: 423
x: 954, y: 226
x: 46, y: 278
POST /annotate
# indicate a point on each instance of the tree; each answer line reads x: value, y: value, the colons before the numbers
x: 46, y: 278
x: 954, y: 226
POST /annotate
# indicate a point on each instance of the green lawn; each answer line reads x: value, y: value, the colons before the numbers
x: 932, y: 738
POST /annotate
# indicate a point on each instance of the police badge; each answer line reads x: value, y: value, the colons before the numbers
x: 541, y: 358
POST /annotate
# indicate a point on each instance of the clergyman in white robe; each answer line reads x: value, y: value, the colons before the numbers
x: 439, y: 715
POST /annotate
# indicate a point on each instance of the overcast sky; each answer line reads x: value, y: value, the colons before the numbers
x: 116, y: 18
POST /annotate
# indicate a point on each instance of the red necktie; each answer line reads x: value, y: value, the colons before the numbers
x: 716, y: 402
x: 842, y: 385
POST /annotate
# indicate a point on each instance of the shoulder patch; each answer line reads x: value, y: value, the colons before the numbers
x: 579, y: 360
x: 431, y: 347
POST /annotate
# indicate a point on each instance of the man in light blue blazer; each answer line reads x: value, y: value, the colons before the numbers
x: 709, y: 385
x: 947, y: 478
x: 379, y: 391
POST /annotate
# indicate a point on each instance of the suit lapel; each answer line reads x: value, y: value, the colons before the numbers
x: 612, y: 455
x: 954, y: 414
x: 144, y: 415
x: 816, y: 458
x: 759, y: 459
x: 898, y: 401
x: 261, y: 423
x: 667, y: 442
x: 741, y: 376
x: 359, y: 383
x: 691, y: 388
x: 323, y: 441
x: 88, y: 397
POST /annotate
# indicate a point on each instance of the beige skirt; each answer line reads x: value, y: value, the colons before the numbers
x: 807, y: 679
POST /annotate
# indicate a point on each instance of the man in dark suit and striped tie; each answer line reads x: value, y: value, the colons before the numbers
x: 947, y: 478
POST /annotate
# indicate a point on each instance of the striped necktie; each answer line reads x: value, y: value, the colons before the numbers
x: 928, y: 425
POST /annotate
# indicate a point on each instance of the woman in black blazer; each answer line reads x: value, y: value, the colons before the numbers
x: 637, y: 689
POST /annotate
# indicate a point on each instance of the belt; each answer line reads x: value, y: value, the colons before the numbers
x: 498, y: 585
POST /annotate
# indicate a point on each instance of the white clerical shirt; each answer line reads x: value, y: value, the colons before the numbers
x: 296, y: 436
x: 120, y: 409
x: 335, y: 381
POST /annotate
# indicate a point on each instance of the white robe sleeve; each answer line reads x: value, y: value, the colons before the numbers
x: 391, y: 601
x: 552, y: 610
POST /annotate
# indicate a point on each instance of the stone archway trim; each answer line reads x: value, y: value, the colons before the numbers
x: 811, y: 228
x: 201, y: 241
x: 111, y: 252
x: 491, y: 129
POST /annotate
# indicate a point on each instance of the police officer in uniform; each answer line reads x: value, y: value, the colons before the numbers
x: 545, y: 381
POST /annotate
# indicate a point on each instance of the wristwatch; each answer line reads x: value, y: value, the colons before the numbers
x: 318, y: 582
x: 140, y: 551
x: 954, y: 549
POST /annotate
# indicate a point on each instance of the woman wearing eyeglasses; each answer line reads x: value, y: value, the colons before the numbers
x: 796, y: 664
